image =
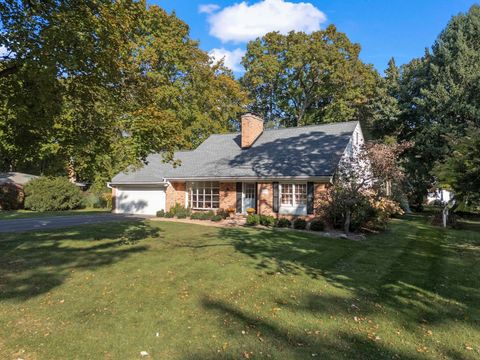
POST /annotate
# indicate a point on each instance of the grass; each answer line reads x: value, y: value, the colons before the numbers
x: 181, y: 291
x: 24, y: 214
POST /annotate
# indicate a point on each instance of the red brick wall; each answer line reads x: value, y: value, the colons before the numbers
x: 228, y: 195
x: 252, y: 128
x: 176, y: 193
x: 265, y: 199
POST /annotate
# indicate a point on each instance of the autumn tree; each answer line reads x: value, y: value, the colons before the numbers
x: 361, y: 191
x: 300, y: 79
x: 93, y: 86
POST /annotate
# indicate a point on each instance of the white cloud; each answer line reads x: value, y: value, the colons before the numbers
x: 208, y: 8
x: 3, y: 51
x: 242, y: 22
x: 231, y: 58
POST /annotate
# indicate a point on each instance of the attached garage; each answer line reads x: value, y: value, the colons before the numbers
x: 139, y: 200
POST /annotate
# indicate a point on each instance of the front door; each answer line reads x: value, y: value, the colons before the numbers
x: 248, y: 196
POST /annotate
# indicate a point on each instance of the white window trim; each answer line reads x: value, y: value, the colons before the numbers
x: 244, y: 183
x: 294, y: 208
x: 190, y: 195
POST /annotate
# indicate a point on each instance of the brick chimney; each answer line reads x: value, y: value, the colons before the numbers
x: 252, y: 128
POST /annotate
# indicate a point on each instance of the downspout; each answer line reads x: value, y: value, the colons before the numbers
x: 114, y: 194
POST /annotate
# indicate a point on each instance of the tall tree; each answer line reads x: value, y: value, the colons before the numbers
x: 461, y: 169
x: 300, y: 79
x: 92, y: 86
x: 385, y: 108
x: 438, y: 94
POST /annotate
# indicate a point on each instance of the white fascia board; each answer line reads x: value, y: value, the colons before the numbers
x: 278, y: 178
x: 141, y: 183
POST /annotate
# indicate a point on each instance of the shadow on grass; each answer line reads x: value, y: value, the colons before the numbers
x: 34, y: 263
x: 424, y: 274
x: 295, y: 343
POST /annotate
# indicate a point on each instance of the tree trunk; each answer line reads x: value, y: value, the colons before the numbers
x: 71, y: 173
x: 348, y: 217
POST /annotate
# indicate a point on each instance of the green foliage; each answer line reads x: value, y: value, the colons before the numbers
x: 461, y: 169
x: 169, y: 215
x: 108, y: 199
x: 253, y: 219
x: 161, y: 213
x: 384, y: 108
x: 283, y: 223
x: 11, y: 197
x: 209, y: 214
x: 216, y: 218
x: 223, y: 213
x: 430, y: 98
x: 299, y: 79
x: 267, y: 220
x: 180, y: 211
x: 300, y: 224
x: 181, y: 215
x: 197, y: 216
x: 203, y: 215
x: 52, y: 194
x: 92, y: 200
x: 317, y: 225
x: 126, y: 80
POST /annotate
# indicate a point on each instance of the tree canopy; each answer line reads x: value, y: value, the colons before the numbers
x: 90, y: 87
x: 301, y: 79
x: 93, y: 86
x: 434, y: 98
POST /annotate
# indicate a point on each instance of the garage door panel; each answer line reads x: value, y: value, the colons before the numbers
x: 146, y: 201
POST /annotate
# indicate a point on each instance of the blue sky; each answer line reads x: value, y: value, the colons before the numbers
x: 387, y: 28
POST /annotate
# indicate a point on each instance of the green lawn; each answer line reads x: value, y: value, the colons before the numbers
x: 182, y: 291
x: 24, y: 214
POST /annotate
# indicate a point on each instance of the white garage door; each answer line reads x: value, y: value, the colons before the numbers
x: 138, y: 200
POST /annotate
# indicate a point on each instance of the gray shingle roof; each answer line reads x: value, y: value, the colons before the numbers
x: 310, y: 151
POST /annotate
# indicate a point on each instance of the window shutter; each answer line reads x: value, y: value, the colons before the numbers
x: 256, y: 198
x: 239, y: 197
x: 275, y: 197
x: 310, y: 197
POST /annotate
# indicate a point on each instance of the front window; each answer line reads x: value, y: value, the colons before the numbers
x: 293, y: 194
x: 204, y: 195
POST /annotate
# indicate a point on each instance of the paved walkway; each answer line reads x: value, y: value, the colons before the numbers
x: 55, y: 222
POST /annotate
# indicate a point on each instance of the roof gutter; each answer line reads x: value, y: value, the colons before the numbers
x: 111, y: 184
x: 253, y: 178
x: 167, y: 182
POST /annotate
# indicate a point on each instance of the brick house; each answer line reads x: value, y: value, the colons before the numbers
x: 278, y: 172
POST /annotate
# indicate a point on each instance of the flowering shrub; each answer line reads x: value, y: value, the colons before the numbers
x: 361, y: 195
x: 250, y: 211
x: 384, y: 209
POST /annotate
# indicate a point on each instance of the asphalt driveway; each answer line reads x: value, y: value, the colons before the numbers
x: 55, y: 222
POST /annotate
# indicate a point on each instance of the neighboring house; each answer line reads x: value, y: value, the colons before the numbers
x: 440, y: 195
x: 15, y: 178
x: 277, y: 172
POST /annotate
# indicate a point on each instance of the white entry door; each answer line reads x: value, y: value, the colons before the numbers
x: 249, y: 200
